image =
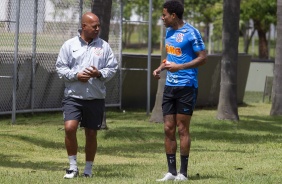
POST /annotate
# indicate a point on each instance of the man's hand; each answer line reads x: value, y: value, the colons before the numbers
x: 87, y: 74
x: 83, y: 77
x: 92, y: 71
x: 156, y: 73
x: 172, y: 67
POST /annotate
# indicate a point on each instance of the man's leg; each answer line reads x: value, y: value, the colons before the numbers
x: 183, y: 123
x: 70, y: 136
x: 170, y: 142
x: 170, y: 147
x: 71, y: 146
x: 90, y: 150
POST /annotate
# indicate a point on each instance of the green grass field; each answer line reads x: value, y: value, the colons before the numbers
x: 132, y: 151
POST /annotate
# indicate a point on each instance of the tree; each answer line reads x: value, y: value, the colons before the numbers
x: 263, y: 14
x: 128, y: 29
x: 157, y: 115
x: 203, y: 11
x: 276, y: 108
x: 247, y: 36
x: 141, y: 9
x: 227, y: 106
x: 103, y: 10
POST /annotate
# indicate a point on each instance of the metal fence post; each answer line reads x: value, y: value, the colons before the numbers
x: 149, y: 58
x: 15, y: 77
x: 34, y: 52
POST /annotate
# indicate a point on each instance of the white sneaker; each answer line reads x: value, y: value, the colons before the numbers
x: 71, y: 174
x: 167, y: 176
x: 180, y: 177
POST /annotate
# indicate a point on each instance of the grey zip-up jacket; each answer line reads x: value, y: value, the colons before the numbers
x: 76, y: 55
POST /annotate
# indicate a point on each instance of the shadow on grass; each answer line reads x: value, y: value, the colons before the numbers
x: 253, y: 129
x: 114, y: 170
x: 9, y: 161
x: 39, y: 118
x: 132, y: 141
x: 252, y: 124
x: 36, y: 141
x: 121, y: 170
x: 234, y: 137
x: 128, y: 115
x: 132, y: 150
x: 198, y: 176
x: 134, y: 133
x: 250, y: 128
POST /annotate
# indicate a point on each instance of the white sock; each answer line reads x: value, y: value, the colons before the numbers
x: 88, y: 167
x: 73, y: 162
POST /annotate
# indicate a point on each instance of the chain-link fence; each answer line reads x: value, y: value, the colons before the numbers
x: 31, y: 34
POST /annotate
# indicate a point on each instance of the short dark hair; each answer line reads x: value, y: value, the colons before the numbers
x: 174, y: 6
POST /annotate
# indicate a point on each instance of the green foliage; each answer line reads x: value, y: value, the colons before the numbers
x: 263, y: 14
x: 87, y: 3
x: 196, y: 11
x: 217, y: 21
x: 203, y: 10
x: 127, y: 10
x: 259, y: 11
x: 141, y: 9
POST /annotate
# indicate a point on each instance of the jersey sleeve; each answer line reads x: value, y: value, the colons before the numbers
x: 197, y: 41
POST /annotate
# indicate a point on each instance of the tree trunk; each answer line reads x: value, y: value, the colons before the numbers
x: 103, y: 9
x: 247, y: 37
x: 263, y: 45
x: 276, y: 108
x: 248, y: 41
x: 157, y: 115
x: 227, y: 105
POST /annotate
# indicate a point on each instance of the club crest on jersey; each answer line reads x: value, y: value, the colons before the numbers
x: 98, y: 51
x: 179, y: 37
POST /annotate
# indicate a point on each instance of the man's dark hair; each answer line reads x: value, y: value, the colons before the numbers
x: 174, y: 6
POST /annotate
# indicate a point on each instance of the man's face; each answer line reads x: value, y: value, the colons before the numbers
x: 167, y: 18
x: 91, y: 29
